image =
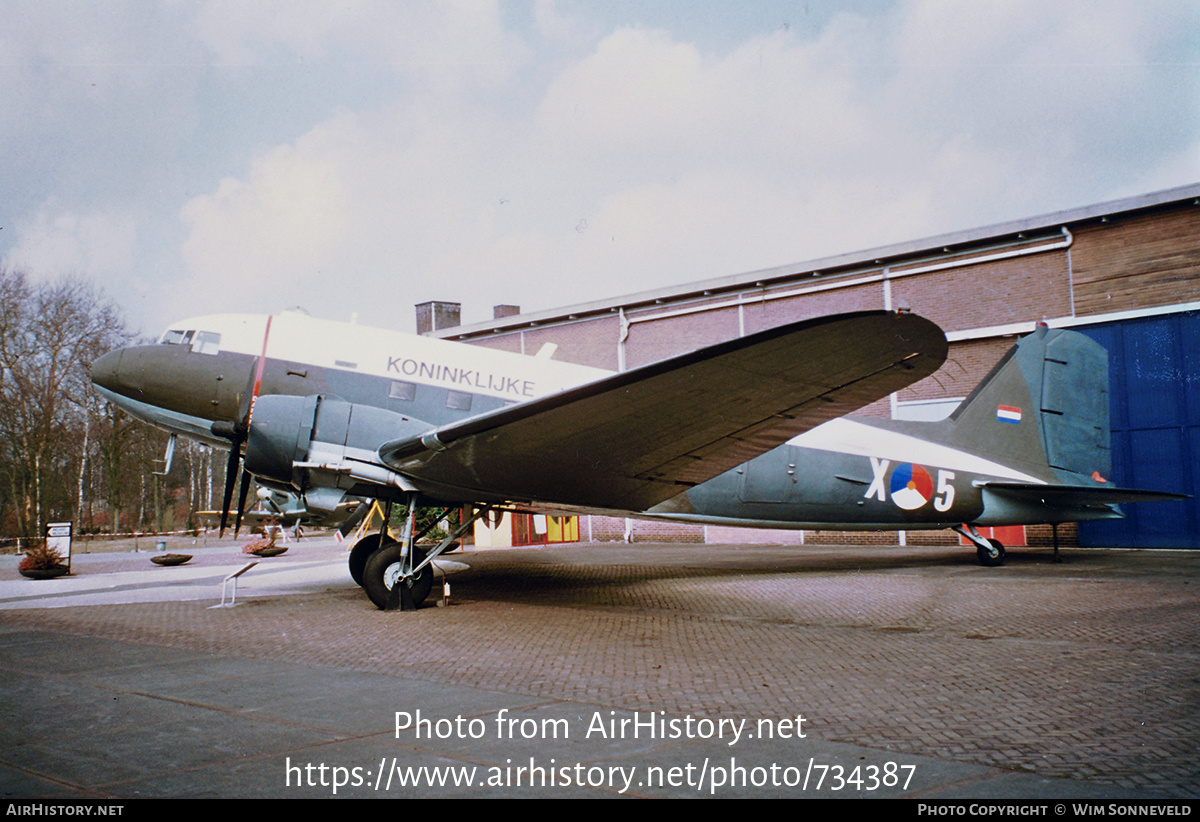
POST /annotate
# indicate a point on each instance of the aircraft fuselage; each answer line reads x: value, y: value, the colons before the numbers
x: 204, y: 371
x: 206, y: 374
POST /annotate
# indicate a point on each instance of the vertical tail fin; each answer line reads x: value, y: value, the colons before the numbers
x: 1044, y: 404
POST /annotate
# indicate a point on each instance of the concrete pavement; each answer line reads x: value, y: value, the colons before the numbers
x: 611, y: 670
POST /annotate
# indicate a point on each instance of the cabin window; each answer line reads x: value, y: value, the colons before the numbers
x: 403, y: 391
x: 458, y: 401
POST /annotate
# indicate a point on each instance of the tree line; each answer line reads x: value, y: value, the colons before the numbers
x: 65, y: 455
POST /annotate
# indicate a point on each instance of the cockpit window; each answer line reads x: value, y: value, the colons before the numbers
x: 202, y: 342
x: 206, y: 342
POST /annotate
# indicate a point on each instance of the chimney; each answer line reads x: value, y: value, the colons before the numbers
x: 499, y: 312
x: 434, y: 316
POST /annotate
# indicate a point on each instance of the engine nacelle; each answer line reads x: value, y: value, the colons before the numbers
x: 318, y: 441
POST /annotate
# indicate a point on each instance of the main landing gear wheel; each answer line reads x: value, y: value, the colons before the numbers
x: 382, y: 573
x: 992, y: 556
x: 360, y: 553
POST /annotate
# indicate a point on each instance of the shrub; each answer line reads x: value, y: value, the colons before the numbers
x: 41, y: 558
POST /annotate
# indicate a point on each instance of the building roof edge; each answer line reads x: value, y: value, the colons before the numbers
x: 852, y: 259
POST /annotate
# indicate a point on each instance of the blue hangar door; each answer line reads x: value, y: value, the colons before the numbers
x: 1154, y: 390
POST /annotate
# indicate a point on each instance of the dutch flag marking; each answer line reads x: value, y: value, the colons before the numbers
x: 1009, y: 414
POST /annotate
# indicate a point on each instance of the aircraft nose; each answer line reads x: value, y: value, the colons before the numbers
x: 106, y: 371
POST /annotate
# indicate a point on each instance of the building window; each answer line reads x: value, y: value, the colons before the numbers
x: 458, y: 401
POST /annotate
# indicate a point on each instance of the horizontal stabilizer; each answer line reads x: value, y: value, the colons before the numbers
x: 1077, y: 495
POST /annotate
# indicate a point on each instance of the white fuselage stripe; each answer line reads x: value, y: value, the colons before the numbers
x: 847, y: 436
x: 394, y: 355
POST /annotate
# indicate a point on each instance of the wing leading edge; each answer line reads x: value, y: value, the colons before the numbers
x: 633, y: 439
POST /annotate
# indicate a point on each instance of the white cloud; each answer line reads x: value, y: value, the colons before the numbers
x: 1177, y: 168
x: 284, y: 224
x: 644, y: 161
x: 53, y: 242
x: 443, y: 45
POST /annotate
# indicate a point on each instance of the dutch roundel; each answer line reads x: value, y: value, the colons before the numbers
x: 911, y: 486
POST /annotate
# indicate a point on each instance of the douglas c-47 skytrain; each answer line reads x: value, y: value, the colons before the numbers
x: 752, y: 431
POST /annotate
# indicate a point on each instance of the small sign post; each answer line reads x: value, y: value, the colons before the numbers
x: 58, y: 538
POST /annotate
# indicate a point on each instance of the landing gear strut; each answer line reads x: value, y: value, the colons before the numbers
x: 992, y: 556
x: 399, y: 575
x: 384, y: 578
x: 989, y: 552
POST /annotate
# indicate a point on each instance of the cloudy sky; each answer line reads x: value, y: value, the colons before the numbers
x: 194, y: 156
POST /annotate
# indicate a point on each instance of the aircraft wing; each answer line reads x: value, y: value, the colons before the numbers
x: 633, y: 439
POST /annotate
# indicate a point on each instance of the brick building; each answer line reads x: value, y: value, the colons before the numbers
x: 1126, y: 273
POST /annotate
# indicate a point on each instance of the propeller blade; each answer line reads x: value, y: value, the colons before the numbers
x: 237, y: 432
x: 241, y: 509
x: 246, y: 410
x: 231, y: 472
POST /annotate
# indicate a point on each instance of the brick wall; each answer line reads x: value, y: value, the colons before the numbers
x: 1126, y: 262
x: 592, y: 342
x: 1021, y: 289
x: 772, y: 313
x: 1137, y: 261
x: 653, y: 340
x: 966, y: 365
x: 612, y: 529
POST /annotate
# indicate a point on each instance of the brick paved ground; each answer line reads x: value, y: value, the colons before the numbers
x: 1084, y: 670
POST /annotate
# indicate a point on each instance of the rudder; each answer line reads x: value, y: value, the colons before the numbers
x: 1044, y: 404
x: 1075, y: 404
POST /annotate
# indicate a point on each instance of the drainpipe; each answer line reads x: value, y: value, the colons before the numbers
x: 621, y: 338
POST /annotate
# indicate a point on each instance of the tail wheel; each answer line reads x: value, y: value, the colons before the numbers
x: 361, y: 552
x: 382, y: 573
x: 992, y: 556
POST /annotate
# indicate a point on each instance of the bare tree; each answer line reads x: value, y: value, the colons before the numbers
x: 50, y: 334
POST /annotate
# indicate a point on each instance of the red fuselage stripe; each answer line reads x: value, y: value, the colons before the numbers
x: 258, y: 370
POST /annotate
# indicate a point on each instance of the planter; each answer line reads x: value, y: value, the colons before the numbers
x: 170, y: 559
x: 44, y: 573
